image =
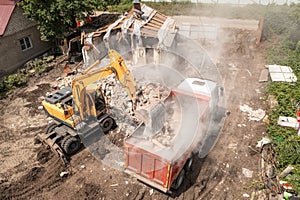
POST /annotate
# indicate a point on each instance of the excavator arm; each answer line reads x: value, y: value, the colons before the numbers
x: 89, y: 76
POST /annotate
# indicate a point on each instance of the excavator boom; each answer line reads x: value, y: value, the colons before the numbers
x: 89, y: 76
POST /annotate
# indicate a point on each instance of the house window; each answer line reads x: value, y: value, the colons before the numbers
x: 25, y: 43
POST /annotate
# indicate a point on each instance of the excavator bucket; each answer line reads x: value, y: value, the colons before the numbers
x: 154, y: 117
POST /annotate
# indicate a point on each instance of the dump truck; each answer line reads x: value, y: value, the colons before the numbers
x: 160, y: 151
x: 82, y: 107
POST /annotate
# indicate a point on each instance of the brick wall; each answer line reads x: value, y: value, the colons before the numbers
x: 11, y: 54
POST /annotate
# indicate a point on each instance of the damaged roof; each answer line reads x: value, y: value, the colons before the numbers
x: 143, y: 21
x: 6, y: 9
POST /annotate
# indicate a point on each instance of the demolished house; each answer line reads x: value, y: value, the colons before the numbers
x: 142, y: 27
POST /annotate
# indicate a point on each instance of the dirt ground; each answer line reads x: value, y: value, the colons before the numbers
x: 29, y: 171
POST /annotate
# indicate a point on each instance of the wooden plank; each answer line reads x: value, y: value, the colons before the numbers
x: 160, y: 16
x: 260, y: 30
x: 156, y: 23
x: 150, y: 28
x: 152, y: 25
x: 158, y: 20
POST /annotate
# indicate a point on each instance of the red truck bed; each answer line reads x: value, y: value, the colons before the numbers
x: 159, y: 162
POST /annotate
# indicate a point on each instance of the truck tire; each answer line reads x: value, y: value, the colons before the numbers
x: 188, y: 164
x: 107, y: 124
x: 50, y: 127
x: 70, y: 144
x: 178, y: 181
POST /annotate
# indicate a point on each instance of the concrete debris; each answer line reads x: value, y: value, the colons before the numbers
x: 254, y: 115
x: 122, y: 108
x: 264, y: 76
x: 263, y: 142
x: 40, y: 107
x: 82, y: 167
x: 288, y: 122
x: 61, y: 82
x: 247, y: 173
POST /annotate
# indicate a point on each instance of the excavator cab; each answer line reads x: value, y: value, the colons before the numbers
x: 94, y: 102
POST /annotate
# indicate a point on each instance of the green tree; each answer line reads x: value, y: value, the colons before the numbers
x: 56, y: 17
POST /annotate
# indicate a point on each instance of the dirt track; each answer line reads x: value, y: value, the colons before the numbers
x: 30, y: 172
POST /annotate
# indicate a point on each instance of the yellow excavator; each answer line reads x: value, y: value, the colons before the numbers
x: 73, y: 108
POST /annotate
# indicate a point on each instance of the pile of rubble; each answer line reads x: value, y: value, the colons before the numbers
x: 123, y: 109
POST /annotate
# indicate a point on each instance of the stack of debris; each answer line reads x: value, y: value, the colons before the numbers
x: 123, y: 109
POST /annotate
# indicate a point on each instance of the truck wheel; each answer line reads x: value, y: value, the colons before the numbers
x: 188, y: 164
x: 70, y: 144
x: 51, y: 127
x: 107, y: 124
x: 177, y: 183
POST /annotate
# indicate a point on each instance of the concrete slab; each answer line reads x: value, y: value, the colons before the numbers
x: 280, y: 73
x: 264, y: 76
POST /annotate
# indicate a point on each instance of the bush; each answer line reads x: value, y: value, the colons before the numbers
x: 287, y: 52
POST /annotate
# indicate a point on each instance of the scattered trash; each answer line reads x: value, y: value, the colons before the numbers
x: 266, y: 119
x: 280, y: 73
x: 272, y: 101
x: 40, y: 107
x: 67, y: 70
x: 287, y: 186
x: 255, y: 115
x: 62, y: 174
x: 247, y: 173
x: 287, y: 195
x: 286, y: 171
x: 151, y: 192
x: 263, y: 141
x: 288, y: 122
x: 126, y: 182
x: 114, y: 185
x: 246, y: 195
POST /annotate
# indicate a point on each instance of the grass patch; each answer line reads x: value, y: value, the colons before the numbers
x: 34, y: 67
x: 286, y: 51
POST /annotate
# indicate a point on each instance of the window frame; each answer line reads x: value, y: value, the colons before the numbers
x: 25, y: 43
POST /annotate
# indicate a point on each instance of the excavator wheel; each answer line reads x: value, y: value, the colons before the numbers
x: 51, y: 127
x: 70, y: 144
x: 107, y: 124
